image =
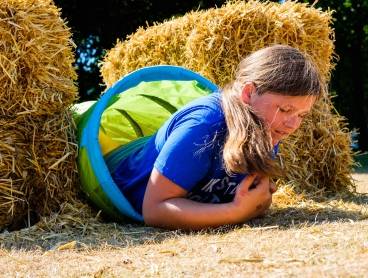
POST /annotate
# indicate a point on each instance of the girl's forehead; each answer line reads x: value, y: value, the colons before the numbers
x: 288, y: 98
x: 297, y: 102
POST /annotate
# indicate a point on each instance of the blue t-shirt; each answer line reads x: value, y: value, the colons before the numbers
x: 187, y: 150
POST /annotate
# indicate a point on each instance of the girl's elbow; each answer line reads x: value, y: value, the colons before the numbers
x: 150, y: 215
x: 149, y: 219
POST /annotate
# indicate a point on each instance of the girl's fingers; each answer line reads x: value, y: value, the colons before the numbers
x: 246, y: 183
x: 261, y: 185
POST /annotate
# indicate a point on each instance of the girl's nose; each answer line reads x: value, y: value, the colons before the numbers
x: 292, y: 122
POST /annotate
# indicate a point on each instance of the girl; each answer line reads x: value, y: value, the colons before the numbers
x: 210, y: 164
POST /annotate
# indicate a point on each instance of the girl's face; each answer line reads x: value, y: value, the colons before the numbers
x: 283, y: 114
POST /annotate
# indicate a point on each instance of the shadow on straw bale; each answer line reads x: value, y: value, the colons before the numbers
x: 318, y: 157
x: 38, y: 171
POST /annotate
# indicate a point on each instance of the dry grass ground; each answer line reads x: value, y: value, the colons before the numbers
x: 325, y: 249
x: 328, y: 238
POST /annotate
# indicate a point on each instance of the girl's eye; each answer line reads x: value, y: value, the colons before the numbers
x: 284, y: 110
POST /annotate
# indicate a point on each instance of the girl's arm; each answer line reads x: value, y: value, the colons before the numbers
x: 165, y: 205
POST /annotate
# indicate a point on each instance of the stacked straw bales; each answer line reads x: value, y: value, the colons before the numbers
x: 37, y: 160
x: 318, y: 157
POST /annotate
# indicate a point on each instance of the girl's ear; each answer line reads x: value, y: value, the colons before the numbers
x: 247, y: 92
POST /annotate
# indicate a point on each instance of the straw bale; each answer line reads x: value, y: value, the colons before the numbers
x: 36, y: 72
x: 318, y: 157
x: 52, y: 155
x: 163, y: 44
x: 37, y: 167
x: 37, y: 85
x: 13, y: 172
x: 223, y: 36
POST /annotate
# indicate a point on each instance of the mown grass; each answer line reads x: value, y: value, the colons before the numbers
x: 303, y: 238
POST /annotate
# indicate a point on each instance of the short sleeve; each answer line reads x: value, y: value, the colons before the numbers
x: 186, y: 155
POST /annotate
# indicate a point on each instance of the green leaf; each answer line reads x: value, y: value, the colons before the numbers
x: 365, y: 29
x: 347, y: 4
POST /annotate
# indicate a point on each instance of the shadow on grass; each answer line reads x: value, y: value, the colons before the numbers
x: 292, y: 217
x: 352, y: 208
x: 98, y: 235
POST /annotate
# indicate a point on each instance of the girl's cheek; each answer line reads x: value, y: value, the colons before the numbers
x: 276, y: 119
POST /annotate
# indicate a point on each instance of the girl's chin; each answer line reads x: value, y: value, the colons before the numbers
x: 276, y: 138
x: 275, y: 141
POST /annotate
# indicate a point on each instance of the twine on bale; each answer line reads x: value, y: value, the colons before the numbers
x: 37, y: 87
x: 318, y: 158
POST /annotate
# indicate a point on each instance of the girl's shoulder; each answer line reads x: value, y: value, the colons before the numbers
x: 204, y: 110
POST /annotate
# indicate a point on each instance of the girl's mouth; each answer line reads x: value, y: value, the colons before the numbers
x: 281, y: 133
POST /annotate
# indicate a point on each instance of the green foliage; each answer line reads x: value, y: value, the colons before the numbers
x: 347, y: 4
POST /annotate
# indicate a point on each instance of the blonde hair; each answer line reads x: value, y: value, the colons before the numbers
x: 279, y: 69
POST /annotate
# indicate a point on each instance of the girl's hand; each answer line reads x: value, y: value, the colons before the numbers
x: 165, y: 205
x: 253, y: 196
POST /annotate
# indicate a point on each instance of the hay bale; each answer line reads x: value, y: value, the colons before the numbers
x: 37, y: 167
x: 36, y: 75
x: 223, y: 36
x: 37, y: 153
x: 162, y: 44
x: 13, y: 172
x: 52, y: 154
x: 318, y: 157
